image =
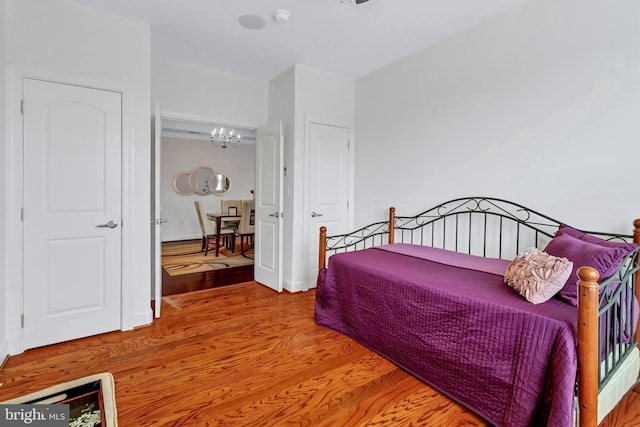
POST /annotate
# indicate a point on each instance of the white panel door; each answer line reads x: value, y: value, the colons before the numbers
x: 269, y: 185
x: 328, y: 187
x: 72, y: 212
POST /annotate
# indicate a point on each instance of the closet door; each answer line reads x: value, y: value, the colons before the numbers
x: 328, y: 187
x: 72, y: 212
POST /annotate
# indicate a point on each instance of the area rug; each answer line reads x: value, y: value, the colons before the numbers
x: 91, y: 400
x: 186, y: 258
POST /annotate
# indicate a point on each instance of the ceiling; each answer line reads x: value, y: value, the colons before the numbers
x: 339, y: 37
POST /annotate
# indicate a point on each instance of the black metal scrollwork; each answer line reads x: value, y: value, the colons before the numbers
x: 362, y: 235
x: 458, y: 220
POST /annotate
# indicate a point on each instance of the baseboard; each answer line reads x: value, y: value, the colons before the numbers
x: 293, y: 286
x: 144, y: 318
x: 183, y: 237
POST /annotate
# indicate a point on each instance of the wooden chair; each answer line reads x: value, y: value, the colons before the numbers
x: 209, y: 230
x: 247, y: 226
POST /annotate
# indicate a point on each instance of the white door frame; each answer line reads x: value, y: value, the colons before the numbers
x: 14, y: 195
x: 192, y: 118
x: 160, y: 115
x: 156, y: 277
x: 306, y: 211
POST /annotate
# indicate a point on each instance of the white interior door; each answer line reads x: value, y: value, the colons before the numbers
x: 72, y: 212
x: 157, y: 221
x: 328, y: 186
x: 269, y: 188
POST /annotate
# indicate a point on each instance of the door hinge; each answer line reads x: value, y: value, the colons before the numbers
x: 22, y: 106
x: 348, y: 145
x: 347, y: 204
x: 21, y: 214
x: 22, y: 321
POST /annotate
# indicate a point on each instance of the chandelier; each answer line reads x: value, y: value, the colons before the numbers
x: 223, y: 139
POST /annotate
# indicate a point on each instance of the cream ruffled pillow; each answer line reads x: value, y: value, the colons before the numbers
x: 538, y: 276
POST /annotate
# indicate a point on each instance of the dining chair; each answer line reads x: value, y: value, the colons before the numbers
x: 225, y: 206
x: 247, y: 225
x: 209, y: 230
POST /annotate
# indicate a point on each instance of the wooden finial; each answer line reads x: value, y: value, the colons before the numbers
x: 588, y: 274
x: 392, y: 221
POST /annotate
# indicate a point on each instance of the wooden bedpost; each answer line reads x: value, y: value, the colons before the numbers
x: 322, y: 249
x: 636, y: 240
x: 392, y: 221
x: 588, y: 346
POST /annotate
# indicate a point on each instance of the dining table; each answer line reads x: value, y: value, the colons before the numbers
x: 218, y: 217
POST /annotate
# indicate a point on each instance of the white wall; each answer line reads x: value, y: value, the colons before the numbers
x: 182, y: 155
x: 66, y: 41
x: 330, y: 99
x: 296, y: 94
x: 282, y: 93
x: 4, y: 348
x: 200, y: 94
x: 539, y: 106
x: 209, y: 94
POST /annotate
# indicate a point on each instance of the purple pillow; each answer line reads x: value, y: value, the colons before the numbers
x: 565, y: 229
x: 600, y: 254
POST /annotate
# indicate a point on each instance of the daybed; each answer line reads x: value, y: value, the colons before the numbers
x: 463, y: 297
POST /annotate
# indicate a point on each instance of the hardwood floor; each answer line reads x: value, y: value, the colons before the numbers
x: 243, y: 355
x: 172, y: 285
x: 207, y: 280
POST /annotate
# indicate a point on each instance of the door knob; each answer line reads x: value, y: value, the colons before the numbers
x: 110, y: 224
x: 277, y: 214
x: 313, y: 214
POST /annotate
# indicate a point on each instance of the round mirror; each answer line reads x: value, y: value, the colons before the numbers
x: 202, y: 180
x: 181, y: 183
x: 222, y: 184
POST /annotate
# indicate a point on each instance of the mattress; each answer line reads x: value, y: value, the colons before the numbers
x: 455, y: 325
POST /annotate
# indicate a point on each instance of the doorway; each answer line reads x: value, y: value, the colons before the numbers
x: 186, y: 150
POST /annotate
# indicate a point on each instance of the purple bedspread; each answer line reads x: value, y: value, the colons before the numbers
x: 458, y: 329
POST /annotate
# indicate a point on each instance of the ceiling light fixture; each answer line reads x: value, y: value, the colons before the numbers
x: 222, y: 139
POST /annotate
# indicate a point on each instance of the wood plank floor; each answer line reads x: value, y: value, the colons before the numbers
x: 243, y: 355
x: 206, y: 280
x: 210, y: 279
